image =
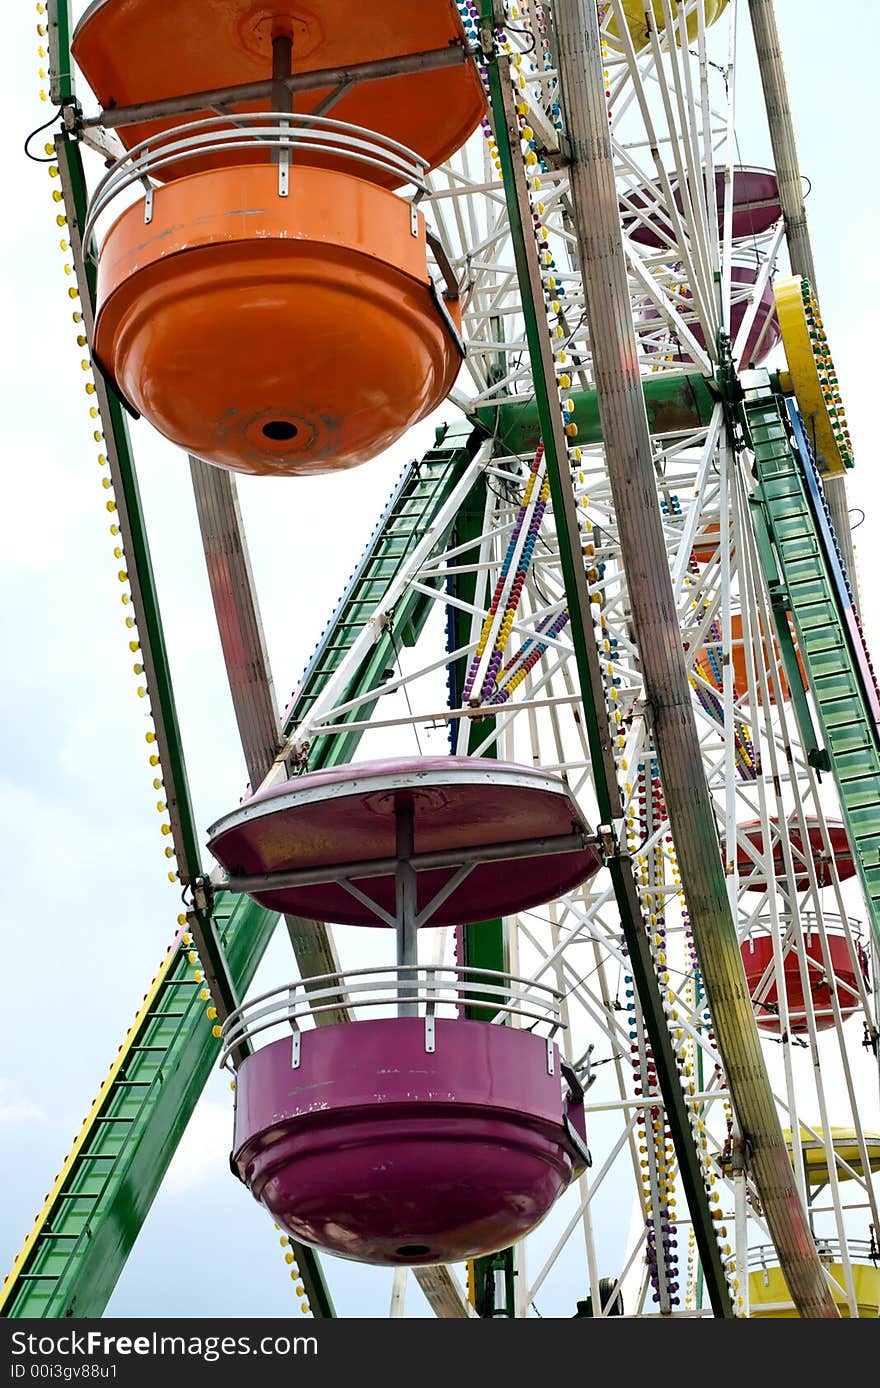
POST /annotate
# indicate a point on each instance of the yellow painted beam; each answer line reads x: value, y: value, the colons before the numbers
x: 10, y: 1281
x: 813, y: 378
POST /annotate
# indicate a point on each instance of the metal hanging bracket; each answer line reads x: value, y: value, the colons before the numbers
x: 203, y: 893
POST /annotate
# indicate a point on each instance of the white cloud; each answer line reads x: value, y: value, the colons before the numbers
x: 14, y: 1109
x: 203, y: 1153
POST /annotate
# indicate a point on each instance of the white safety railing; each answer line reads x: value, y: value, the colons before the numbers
x: 764, y: 1257
x: 431, y: 991
x: 276, y: 136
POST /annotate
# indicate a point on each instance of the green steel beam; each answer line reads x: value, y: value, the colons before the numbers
x: 817, y: 755
x: 675, y: 404
x: 77, y: 1249
x: 588, y: 668
x: 72, y: 1258
x: 60, y: 26
x: 823, y: 631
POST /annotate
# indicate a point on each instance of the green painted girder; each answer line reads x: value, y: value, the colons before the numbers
x: 77, y: 1249
x: 675, y: 404
x: 817, y: 755
x: 60, y: 26
x: 810, y: 595
x: 79, y: 1244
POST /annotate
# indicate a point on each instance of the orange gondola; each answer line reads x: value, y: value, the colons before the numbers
x: 136, y: 51
x: 710, y: 667
x: 271, y: 334
x: 706, y: 543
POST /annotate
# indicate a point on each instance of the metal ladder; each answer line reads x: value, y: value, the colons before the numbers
x: 809, y: 581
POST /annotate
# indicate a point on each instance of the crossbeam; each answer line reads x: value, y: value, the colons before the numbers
x: 245, y: 93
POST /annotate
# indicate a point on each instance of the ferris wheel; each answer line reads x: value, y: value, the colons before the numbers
x: 585, y: 767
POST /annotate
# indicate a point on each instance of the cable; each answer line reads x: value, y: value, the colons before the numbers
x: 40, y: 158
x: 525, y: 33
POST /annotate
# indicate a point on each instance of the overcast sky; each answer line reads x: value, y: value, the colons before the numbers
x: 86, y: 907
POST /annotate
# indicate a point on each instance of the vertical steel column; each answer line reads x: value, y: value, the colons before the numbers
x: 587, y: 658
x: 406, y: 907
x: 689, y: 804
x: 797, y: 233
x: 282, y: 68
